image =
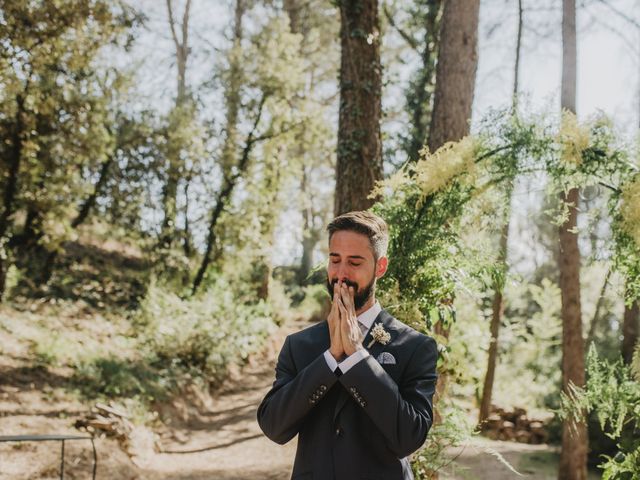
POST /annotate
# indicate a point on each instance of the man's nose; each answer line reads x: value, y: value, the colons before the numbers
x: 341, y: 273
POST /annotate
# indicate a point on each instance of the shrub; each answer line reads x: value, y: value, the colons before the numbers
x: 205, y: 334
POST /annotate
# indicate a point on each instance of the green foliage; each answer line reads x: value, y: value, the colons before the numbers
x: 314, y: 302
x: 117, y: 377
x: 177, y: 343
x: 424, y: 203
x: 612, y: 392
x: 454, y: 430
x: 202, y: 335
x: 55, y: 115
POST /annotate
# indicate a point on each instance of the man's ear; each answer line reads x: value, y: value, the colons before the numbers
x: 381, y: 266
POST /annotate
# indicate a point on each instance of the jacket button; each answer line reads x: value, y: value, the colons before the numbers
x: 339, y: 431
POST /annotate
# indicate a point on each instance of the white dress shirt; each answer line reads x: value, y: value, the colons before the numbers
x: 365, y: 320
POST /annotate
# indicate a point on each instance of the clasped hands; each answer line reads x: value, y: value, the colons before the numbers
x: 345, y: 333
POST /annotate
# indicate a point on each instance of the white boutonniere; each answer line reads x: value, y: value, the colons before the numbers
x: 379, y: 335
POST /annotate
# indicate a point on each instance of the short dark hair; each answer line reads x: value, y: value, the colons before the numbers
x: 366, y: 223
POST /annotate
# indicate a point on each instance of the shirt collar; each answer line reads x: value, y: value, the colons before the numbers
x: 367, y: 317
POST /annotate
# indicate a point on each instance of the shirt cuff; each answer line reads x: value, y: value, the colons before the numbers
x: 352, y: 360
x: 331, y: 362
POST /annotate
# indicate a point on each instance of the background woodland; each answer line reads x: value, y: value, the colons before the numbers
x: 167, y: 170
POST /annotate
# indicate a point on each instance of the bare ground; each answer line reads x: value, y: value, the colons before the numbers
x: 211, y: 438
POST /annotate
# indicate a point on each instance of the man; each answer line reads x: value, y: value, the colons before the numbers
x: 356, y: 389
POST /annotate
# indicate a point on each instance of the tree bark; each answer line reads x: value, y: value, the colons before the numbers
x: 10, y: 188
x: 630, y: 331
x: 170, y: 190
x: 516, y: 69
x: 455, y: 72
x: 359, y: 156
x: 496, y: 318
x: 573, y: 456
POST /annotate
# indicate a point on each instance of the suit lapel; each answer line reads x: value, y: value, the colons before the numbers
x: 386, y: 319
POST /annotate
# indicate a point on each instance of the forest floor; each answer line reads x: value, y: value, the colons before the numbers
x: 203, y: 437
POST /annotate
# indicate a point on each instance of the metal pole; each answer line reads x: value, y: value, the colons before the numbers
x: 62, y: 462
x: 95, y: 459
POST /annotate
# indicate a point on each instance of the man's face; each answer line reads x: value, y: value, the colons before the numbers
x: 351, y: 260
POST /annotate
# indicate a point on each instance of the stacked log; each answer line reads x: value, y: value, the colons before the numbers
x: 108, y: 420
x: 514, y: 426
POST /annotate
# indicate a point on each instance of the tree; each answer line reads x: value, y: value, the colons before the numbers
x: 180, y: 117
x: 573, y: 457
x: 455, y: 82
x: 268, y: 79
x: 359, y: 161
x: 497, y: 307
x: 455, y: 72
x: 54, y: 118
x: 421, y: 32
x: 313, y: 147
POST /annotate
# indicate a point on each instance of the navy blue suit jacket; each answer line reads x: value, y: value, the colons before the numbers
x: 359, y: 425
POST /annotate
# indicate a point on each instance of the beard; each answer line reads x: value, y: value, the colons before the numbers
x: 360, y: 296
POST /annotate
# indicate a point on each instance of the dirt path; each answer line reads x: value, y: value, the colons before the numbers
x: 218, y: 440
x: 225, y: 442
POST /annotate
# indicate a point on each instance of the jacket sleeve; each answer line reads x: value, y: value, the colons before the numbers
x: 293, y: 395
x: 403, y: 412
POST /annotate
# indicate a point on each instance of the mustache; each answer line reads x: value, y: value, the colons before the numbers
x: 348, y: 282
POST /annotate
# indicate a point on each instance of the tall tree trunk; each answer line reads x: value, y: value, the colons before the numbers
x: 308, y: 240
x: 453, y: 99
x: 170, y: 190
x: 498, y: 304
x: 309, y: 237
x: 232, y: 91
x: 455, y: 73
x: 630, y: 331
x: 10, y: 188
x: 516, y: 69
x: 631, y: 318
x: 359, y: 162
x: 573, y: 457
x: 496, y: 316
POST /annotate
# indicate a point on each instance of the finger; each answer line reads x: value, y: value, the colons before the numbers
x: 346, y: 298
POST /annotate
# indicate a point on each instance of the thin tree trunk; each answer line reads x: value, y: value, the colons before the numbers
x: 420, y: 90
x: 10, y: 188
x: 232, y: 92
x: 516, y: 69
x: 170, y: 190
x: 498, y: 304
x: 310, y: 235
x: 88, y: 204
x: 224, y: 196
x: 573, y: 456
x: 455, y: 73
x: 496, y: 317
x: 359, y: 159
x: 631, y: 318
